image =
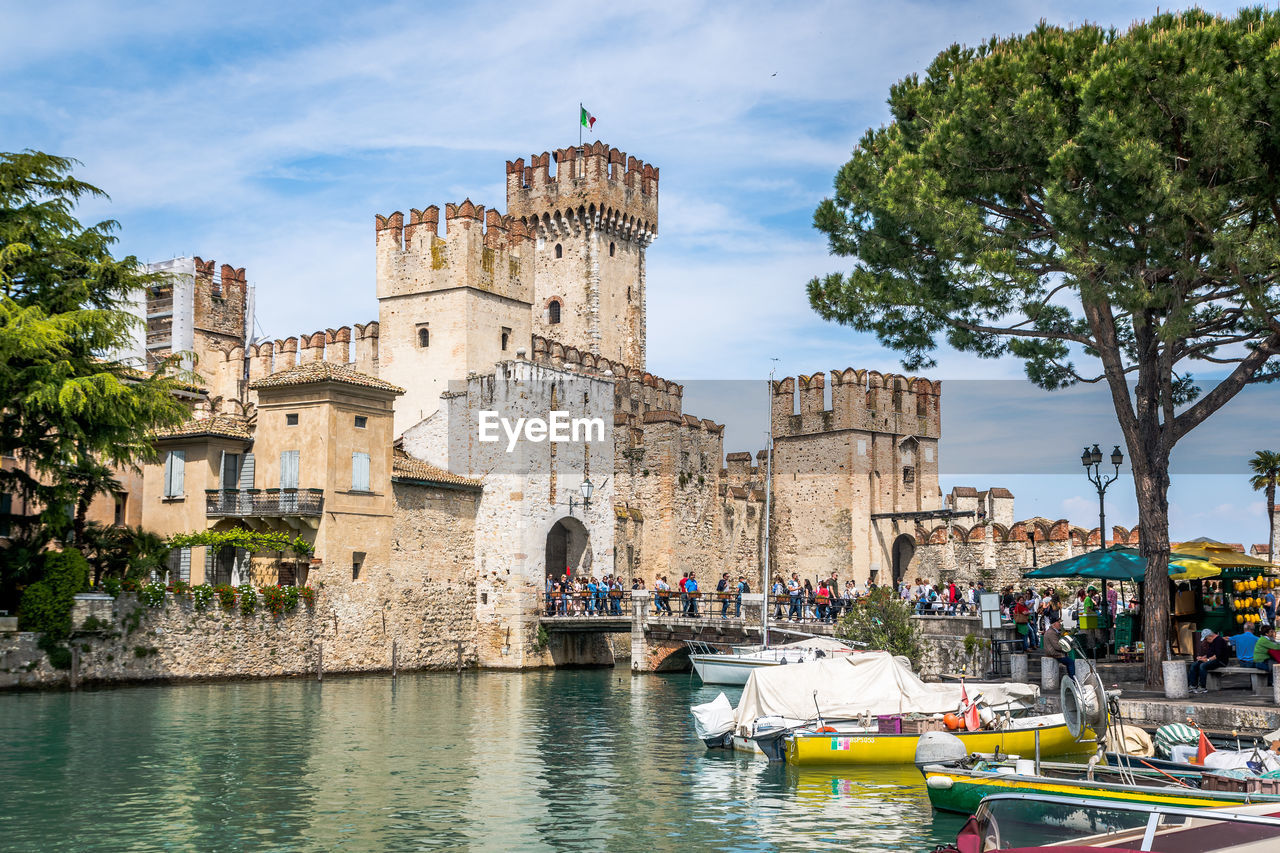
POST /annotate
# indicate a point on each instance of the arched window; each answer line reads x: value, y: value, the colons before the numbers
x: 553, y: 310
x: 559, y: 251
x: 424, y: 336
x: 611, y: 249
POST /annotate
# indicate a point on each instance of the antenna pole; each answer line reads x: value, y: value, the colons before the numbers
x: 768, y: 505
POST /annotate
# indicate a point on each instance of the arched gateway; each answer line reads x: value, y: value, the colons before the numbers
x: 567, y: 550
x: 904, y: 548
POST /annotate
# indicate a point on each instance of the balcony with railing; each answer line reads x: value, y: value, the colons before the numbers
x: 264, y: 503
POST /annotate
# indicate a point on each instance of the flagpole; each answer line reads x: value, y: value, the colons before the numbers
x: 580, y: 109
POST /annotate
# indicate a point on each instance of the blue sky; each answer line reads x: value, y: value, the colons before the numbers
x: 268, y: 135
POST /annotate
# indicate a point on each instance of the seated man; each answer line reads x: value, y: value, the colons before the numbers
x: 1266, y: 651
x: 1243, y: 644
x: 1215, y: 652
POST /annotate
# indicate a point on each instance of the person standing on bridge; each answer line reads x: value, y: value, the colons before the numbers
x: 691, y: 592
x: 793, y: 590
x: 722, y: 593
x: 741, y: 588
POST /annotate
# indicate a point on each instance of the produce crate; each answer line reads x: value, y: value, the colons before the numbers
x: 1215, y: 782
x: 1088, y: 620
x: 889, y: 724
x: 1124, y: 629
x: 919, y: 727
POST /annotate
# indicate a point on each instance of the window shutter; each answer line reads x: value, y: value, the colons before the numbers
x: 184, y: 566
x: 208, y: 565
x: 230, y: 471
x: 246, y: 472
x: 360, y: 472
x: 289, y: 469
x: 174, y: 473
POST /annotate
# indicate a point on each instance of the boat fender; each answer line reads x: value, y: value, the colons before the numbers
x: 940, y: 783
x: 825, y: 730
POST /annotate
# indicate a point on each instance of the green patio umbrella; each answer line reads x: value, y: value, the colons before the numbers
x: 1121, y: 563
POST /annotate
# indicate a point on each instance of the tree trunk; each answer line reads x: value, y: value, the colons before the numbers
x: 1152, y: 491
x: 1271, y: 521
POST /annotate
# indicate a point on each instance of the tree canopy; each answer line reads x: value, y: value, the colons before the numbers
x: 1103, y: 205
x: 72, y: 408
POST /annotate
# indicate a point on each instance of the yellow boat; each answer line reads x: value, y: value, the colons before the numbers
x: 806, y: 748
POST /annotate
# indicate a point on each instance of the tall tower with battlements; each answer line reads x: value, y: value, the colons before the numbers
x: 449, y: 303
x: 591, y: 222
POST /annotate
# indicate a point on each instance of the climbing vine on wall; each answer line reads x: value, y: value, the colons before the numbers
x: 239, y: 537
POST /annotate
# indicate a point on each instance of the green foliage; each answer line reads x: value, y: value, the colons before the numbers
x: 880, y: 620
x: 1265, y: 465
x: 144, y: 651
x: 112, y: 586
x: 202, y: 596
x: 273, y: 599
x: 93, y: 624
x: 152, y: 594
x: 226, y: 596
x: 543, y: 639
x: 59, y: 655
x: 308, y: 596
x: 70, y: 410
x: 248, y: 599
x: 291, y: 597
x: 248, y: 540
x: 46, y: 604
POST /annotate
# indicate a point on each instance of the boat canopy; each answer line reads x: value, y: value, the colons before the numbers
x: 851, y: 686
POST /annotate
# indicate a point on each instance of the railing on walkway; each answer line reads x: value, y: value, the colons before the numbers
x: 263, y: 502
x: 615, y: 604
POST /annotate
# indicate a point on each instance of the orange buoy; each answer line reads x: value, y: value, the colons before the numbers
x: 952, y: 722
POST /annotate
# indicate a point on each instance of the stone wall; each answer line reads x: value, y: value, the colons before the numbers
x: 351, y: 629
x: 944, y: 649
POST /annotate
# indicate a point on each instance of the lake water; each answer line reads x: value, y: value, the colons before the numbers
x: 555, y: 760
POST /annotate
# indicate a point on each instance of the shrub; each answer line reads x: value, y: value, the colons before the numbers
x: 273, y: 599
x: 46, y: 604
x: 152, y: 595
x: 181, y: 588
x: 226, y: 596
x: 248, y: 599
x: 291, y: 596
x: 880, y: 620
x: 112, y: 586
x: 308, y: 595
x: 201, y: 596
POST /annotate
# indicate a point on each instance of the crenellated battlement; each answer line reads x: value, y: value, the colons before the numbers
x: 594, y: 186
x: 479, y: 248
x: 635, y: 391
x: 860, y: 399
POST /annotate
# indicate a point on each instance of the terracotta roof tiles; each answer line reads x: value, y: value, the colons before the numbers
x: 324, y: 371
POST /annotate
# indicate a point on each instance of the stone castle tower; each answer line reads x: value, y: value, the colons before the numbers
x: 449, y: 304
x: 842, y: 471
x: 591, y: 222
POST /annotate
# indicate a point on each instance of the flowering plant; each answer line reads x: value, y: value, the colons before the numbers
x: 152, y: 595
x: 290, y: 598
x: 226, y: 596
x: 308, y: 595
x: 248, y: 599
x: 180, y: 588
x: 201, y: 596
x: 273, y: 599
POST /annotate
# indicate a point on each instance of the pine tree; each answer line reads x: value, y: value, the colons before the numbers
x: 1100, y: 204
x: 70, y: 408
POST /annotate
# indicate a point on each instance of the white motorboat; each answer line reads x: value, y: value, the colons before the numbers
x: 735, y: 667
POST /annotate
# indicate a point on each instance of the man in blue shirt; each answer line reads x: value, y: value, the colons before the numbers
x: 691, y: 587
x: 1244, y: 643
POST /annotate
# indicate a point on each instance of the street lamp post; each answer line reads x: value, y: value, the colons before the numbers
x: 1092, y: 461
x: 585, y: 487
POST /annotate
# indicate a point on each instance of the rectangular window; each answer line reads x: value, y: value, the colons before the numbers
x: 506, y: 336
x: 359, y: 472
x: 230, y: 471
x: 122, y: 502
x: 291, y: 419
x: 357, y: 563
x: 179, y: 565
x: 6, y: 509
x: 175, y: 466
x: 289, y: 469
x: 361, y: 421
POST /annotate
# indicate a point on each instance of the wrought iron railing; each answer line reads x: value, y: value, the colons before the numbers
x: 263, y: 502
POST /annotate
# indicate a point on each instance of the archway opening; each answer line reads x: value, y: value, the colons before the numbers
x: 567, y: 551
x: 904, y: 548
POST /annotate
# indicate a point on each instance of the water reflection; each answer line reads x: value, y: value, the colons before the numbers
x: 568, y: 760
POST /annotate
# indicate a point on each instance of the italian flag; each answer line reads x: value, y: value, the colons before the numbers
x: 588, y: 120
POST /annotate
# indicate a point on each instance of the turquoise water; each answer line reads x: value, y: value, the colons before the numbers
x: 564, y: 760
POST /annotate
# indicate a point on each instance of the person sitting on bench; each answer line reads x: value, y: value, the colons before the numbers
x: 1243, y: 643
x: 1215, y: 652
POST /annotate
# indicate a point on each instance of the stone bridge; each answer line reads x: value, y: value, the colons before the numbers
x: 658, y: 640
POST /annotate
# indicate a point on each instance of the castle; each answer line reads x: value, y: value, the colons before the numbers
x: 363, y: 438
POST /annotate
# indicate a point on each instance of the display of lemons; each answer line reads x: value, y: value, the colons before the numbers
x: 1239, y: 618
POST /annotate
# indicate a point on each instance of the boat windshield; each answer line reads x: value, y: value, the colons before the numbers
x: 1008, y: 822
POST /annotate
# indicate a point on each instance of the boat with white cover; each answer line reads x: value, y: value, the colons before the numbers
x: 736, y: 666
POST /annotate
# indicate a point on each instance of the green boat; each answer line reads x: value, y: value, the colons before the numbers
x: 960, y: 786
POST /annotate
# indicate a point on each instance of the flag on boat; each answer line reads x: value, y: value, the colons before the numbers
x: 1204, y: 750
x: 972, y: 722
x: 588, y: 120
